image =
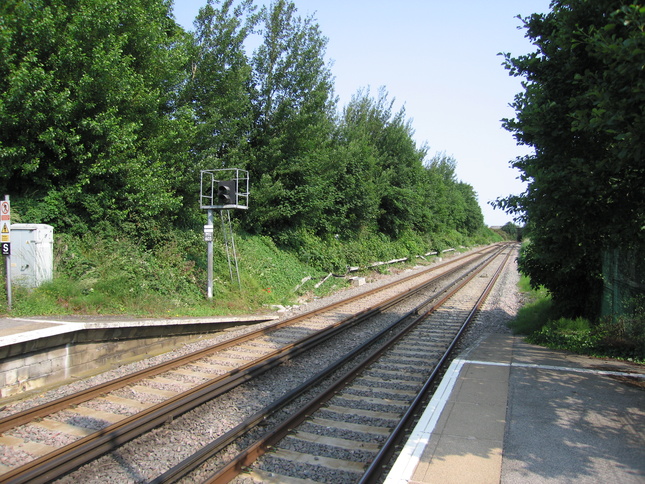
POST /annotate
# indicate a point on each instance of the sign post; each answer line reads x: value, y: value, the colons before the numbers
x: 208, y: 237
x: 5, y: 242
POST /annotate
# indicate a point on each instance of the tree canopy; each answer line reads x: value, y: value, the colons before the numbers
x: 582, y: 112
x: 87, y: 91
x: 109, y: 110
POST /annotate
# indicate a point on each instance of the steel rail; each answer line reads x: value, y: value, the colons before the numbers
x: 257, y: 449
x: 192, y: 462
x: 66, y: 459
x: 62, y: 403
x: 376, y: 467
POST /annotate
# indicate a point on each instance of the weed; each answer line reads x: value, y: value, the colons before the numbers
x: 622, y: 338
x: 116, y: 274
x: 537, y: 310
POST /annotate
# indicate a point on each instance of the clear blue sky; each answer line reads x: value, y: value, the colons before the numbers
x: 439, y: 60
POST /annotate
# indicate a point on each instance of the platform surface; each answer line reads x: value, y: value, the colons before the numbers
x: 17, y: 330
x: 506, y: 412
x: 509, y: 412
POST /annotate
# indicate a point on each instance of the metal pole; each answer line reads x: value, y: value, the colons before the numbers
x: 210, y: 257
x: 237, y: 269
x: 8, y: 268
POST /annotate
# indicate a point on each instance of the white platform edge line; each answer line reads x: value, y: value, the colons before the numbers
x: 410, y: 455
x: 38, y: 333
x: 47, y: 321
x: 71, y: 326
x: 559, y: 368
x: 579, y: 370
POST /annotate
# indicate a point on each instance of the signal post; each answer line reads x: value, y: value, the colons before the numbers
x: 223, y: 189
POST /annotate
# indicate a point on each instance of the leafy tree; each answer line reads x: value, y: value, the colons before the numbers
x: 513, y: 230
x: 397, y: 192
x: 219, y: 86
x: 108, y: 110
x: 294, y: 108
x: 391, y: 169
x: 470, y: 218
x: 453, y: 204
x: 87, y: 90
x: 361, y: 182
x: 582, y: 112
x: 401, y: 162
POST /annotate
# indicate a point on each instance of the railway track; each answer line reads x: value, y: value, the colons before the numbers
x: 146, y: 400
x: 348, y: 431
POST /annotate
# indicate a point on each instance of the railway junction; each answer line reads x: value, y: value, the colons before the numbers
x: 503, y: 411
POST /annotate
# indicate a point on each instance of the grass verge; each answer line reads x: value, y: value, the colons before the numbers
x: 620, y: 338
x: 99, y: 275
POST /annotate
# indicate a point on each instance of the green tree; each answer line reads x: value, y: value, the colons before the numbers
x: 391, y: 171
x: 513, y: 230
x: 219, y: 87
x: 453, y: 204
x: 440, y: 173
x: 87, y: 96
x: 294, y: 110
x: 470, y: 218
x: 401, y: 162
x: 582, y: 112
x: 359, y: 180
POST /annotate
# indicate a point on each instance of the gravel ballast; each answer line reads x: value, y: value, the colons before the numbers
x: 151, y: 455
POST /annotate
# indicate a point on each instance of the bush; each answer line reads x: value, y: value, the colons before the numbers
x: 622, y: 338
x: 536, y: 312
x: 113, y: 273
x: 574, y: 335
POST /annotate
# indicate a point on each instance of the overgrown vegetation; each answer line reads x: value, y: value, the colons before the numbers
x: 581, y: 111
x: 99, y: 276
x: 109, y: 111
x: 538, y: 319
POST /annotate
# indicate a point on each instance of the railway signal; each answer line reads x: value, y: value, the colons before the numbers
x: 223, y: 195
x: 227, y: 192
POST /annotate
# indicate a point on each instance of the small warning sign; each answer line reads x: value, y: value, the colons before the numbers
x: 5, y: 234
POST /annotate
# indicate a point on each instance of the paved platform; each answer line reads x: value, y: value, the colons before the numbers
x: 38, y: 353
x: 509, y: 412
x: 18, y: 330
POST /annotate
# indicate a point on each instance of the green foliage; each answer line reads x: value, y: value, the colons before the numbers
x: 538, y: 319
x: 535, y: 313
x: 621, y: 339
x: 574, y: 335
x: 218, y: 86
x: 119, y: 272
x: 293, y: 106
x: 273, y: 276
x: 109, y: 110
x: 513, y: 231
x: 95, y: 274
x: 581, y: 111
x: 85, y: 89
